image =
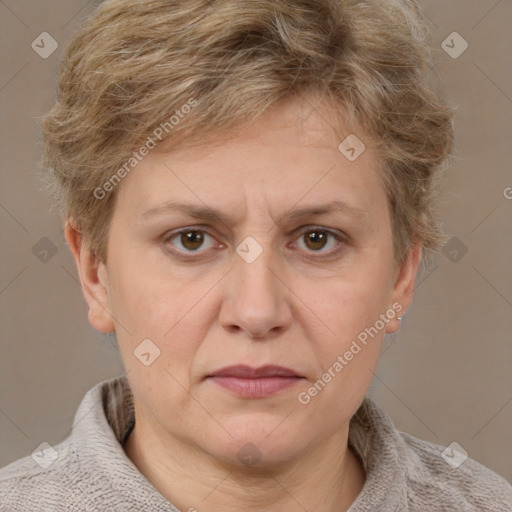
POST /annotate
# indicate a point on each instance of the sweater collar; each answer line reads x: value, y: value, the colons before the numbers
x: 106, y: 417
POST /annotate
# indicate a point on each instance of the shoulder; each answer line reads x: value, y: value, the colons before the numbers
x: 65, y: 477
x: 447, y: 477
x: 407, y: 473
x: 39, y: 481
x: 66, y: 485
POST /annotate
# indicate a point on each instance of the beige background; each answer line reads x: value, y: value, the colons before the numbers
x: 446, y: 376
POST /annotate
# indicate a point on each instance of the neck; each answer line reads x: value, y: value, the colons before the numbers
x: 327, y: 478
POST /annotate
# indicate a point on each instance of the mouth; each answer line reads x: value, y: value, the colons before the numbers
x: 249, y: 382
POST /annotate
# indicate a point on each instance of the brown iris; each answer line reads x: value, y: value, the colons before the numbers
x: 317, y: 239
x: 192, y: 240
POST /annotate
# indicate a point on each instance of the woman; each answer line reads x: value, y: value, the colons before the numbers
x: 248, y: 191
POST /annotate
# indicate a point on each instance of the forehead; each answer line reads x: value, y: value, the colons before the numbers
x: 289, y: 157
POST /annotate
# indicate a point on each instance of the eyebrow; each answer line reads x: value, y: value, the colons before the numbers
x: 210, y: 214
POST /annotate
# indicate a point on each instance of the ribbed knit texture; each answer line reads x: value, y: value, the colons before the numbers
x: 93, y: 474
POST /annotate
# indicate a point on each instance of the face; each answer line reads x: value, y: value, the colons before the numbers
x: 295, y: 269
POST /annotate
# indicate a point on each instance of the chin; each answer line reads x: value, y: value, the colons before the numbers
x: 255, y: 442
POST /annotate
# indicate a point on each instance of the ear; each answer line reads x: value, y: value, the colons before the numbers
x: 403, y: 288
x: 93, y: 278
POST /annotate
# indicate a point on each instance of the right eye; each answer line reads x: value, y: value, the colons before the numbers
x: 187, y: 240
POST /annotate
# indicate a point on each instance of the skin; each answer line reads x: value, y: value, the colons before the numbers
x: 298, y: 305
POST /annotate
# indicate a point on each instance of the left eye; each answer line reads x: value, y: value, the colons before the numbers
x: 317, y: 239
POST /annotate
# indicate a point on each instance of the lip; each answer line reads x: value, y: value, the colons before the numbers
x: 248, y: 372
x: 249, y: 382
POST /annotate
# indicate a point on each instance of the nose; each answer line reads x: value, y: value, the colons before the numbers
x: 256, y: 298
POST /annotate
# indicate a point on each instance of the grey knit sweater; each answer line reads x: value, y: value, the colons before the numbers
x: 89, y: 471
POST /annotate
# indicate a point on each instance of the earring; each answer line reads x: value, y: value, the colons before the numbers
x: 399, y: 318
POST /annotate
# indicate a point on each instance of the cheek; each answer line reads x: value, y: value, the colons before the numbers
x: 144, y: 298
x: 347, y: 346
x: 349, y: 303
x: 346, y: 322
x: 162, y: 309
x: 156, y: 311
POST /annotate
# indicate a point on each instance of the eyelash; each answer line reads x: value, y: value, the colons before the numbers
x: 194, y: 255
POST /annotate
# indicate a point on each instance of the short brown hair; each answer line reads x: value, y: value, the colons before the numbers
x: 134, y: 62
